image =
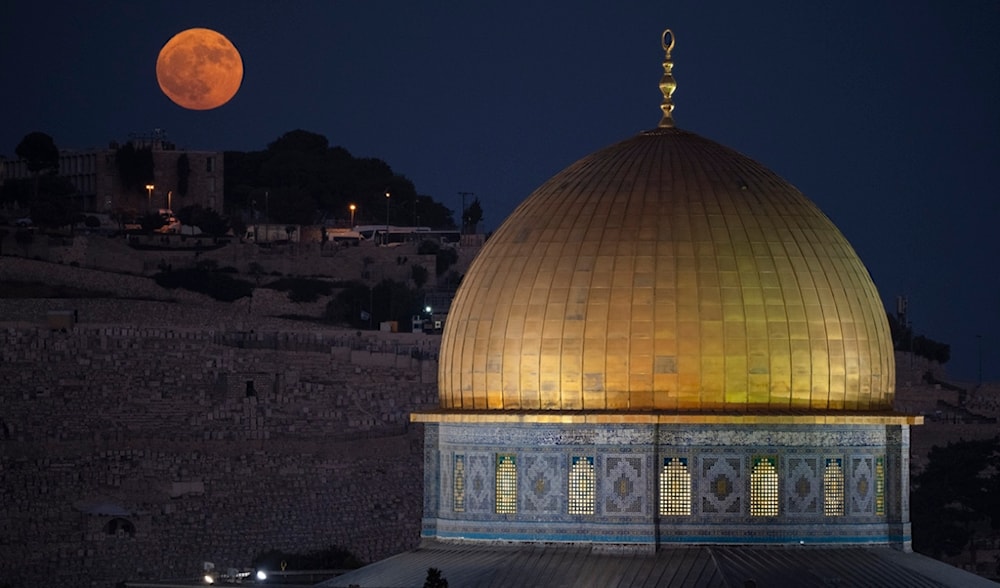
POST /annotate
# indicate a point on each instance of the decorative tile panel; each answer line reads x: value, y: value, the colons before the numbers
x: 542, y: 483
x: 623, y: 484
x: 479, y: 483
x: 803, y: 483
x: 861, y: 486
x: 722, y: 485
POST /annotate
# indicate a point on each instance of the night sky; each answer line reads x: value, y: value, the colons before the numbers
x: 886, y: 114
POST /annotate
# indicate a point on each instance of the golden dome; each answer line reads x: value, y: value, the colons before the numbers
x: 667, y: 272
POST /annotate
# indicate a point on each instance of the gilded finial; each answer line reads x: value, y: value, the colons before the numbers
x: 667, y: 82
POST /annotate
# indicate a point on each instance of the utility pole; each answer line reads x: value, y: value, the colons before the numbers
x: 462, y: 212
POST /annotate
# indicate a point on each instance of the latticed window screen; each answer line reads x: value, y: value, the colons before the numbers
x: 506, y: 484
x: 582, y: 493
x: 880, y: 486
x: 833, y: 488
x: 764, y: 487
x: 458, y: 487
x: 675, y: 487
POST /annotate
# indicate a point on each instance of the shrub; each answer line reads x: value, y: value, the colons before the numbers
x: 445, y: 259
x: 302, y: 289
x: 217, y: 285
x: 418, y: 274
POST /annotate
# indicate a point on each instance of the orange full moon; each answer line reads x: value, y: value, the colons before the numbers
x: 199, y: 69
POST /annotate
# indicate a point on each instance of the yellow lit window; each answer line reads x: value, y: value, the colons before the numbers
x: 581, y: 485
x: 764, y: 487
x: 833, y: 488
x: 880, y: 486
x: 675, y: 487
x: 506, y: 484
x: 459, y: 483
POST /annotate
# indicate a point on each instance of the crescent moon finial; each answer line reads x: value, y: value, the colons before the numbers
x: 667, y: 83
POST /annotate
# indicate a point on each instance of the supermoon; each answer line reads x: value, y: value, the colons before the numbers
x: 199, y: 69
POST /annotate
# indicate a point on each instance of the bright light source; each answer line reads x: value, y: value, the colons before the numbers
x: 261, y: 575
x: 427, y: 309
x: 209, y: 579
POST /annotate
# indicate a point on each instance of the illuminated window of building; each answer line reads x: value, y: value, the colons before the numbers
x: 581, y: 485
x: 458, y: 487
x: 764, y: 487
x: 675, y: 487
x: 880, y: 486
x: 506, y: 484
x: 833, y: 488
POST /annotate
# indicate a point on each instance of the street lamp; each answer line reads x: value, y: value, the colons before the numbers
x: 386, y: 240
x: 149, y: 196
x: 352, y: 207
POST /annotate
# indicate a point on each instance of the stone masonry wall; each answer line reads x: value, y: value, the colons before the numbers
x: 141, y: 452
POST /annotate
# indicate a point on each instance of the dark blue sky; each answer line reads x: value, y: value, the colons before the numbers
x: 886, y: 114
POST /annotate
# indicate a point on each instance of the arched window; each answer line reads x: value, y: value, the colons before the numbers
x: 506, y: 486
x: 675, y: 487
x: 880, y: 486
x: 764, y: 487
x: 458, y: 487
x: 833, y: 488
x: 581, y: 485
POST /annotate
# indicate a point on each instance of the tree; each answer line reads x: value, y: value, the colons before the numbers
x: 135, y: 166
x: 434, y: 579
x: 954, y: 497
x: 419, y: 274
x: 52, y: 206
x: 183, y: 174
x: 39, y: 151
x: 207, y: 219
x: 472, y: 216
x: 152, y: 221
x: 309, y: 179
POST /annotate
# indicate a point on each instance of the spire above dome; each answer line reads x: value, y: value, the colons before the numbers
x: 667, y: 83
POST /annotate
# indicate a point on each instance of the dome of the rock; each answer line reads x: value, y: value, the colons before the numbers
x: 667, y: 273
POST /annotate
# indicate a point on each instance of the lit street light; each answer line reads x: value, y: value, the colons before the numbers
x: 149, y: 196
x: 385, y: 241
x: 353, y: 207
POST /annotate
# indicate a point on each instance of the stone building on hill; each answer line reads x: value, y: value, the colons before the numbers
x: 179, y: 177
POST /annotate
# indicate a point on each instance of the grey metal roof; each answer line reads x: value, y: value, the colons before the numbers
x: 471, y: 565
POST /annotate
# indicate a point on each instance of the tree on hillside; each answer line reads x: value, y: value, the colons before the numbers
x: 954, y: 497
x: 135, y: 167
x: 472, y: 216
x: 39, y: 152
x: 53, y: 206
x: 903, y: 339
x: 307, y: 179
x: 207, y: 220
x: 183, y: 174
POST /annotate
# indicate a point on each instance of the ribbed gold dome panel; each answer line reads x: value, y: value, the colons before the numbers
x: 667, y: 272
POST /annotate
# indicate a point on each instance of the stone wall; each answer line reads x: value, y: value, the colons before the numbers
x: 136, y: 453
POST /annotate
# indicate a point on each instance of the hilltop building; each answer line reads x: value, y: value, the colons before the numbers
x: 666, y: 368
x: 180, y: 177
